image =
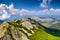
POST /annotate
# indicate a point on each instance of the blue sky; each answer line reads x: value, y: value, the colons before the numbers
x: 26, y: 4
x: 31, y: 4
x: 11, y: 9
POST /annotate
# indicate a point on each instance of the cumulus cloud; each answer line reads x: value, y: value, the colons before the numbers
x: 50, y: 11
x: 45, y: 3
x: 6, y: 11
x: 4, y: 16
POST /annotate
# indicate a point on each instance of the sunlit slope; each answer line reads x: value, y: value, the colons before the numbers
x: 43, y: 35
x: 27, y: 29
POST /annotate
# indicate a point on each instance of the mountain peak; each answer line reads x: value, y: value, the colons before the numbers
x: 22, y: 29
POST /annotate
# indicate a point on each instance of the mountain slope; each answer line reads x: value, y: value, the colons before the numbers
x: 47, y: 34
x: 55, y: 26
x: 42, y: 35
x: 26, y: 29
x: 46, y: 21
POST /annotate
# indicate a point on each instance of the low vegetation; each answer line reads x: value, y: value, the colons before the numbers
x: 16, y: 31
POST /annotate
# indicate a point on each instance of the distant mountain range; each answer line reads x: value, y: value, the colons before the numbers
x: 46, y: 21
x: 55, y: 26
x: 1, y: 21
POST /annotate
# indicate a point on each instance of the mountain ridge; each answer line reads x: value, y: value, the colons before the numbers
x: 23, y: 29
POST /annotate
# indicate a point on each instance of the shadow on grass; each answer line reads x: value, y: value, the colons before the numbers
x: 51, y: 31
x: 54, y: 32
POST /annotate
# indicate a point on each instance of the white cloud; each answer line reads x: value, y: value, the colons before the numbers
x: 52, y: 9
x: 4, y: 16
x: 6, y: 11
x: 45, y: 3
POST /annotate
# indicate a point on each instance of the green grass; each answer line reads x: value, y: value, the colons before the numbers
x: 42, y: 35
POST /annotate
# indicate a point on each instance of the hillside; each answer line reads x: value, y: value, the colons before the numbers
x: 27, y: 29
x: 46, y: 21
x: 55, y: 26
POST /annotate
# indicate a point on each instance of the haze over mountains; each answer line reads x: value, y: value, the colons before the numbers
x: 1, y: 21
x: 46, y: 21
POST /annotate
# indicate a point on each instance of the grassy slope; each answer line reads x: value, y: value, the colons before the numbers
x: 41, y: 34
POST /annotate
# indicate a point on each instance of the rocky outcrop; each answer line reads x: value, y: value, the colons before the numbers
x: 17, y: 29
